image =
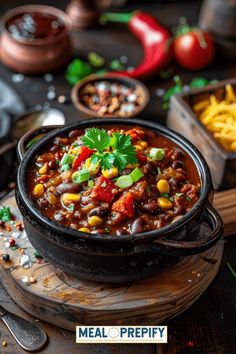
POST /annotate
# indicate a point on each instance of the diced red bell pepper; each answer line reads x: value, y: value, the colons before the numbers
x: 125, y: 205
x: 142, y: 158
x: 104, y: 190
x: 85, y: 153
x: 135, y: 133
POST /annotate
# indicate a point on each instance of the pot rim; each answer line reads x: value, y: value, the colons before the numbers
x: 203, y: 170
x: 37, y: 8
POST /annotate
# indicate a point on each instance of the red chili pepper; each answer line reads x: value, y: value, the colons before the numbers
x: 155, y: 40
x: 142, y: 158
x: 104, y: 190
x: 85, y: 153
x: 125, y: 204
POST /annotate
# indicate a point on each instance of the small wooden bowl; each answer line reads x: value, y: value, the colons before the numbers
x: 112, y: 78
x: 183, y: 119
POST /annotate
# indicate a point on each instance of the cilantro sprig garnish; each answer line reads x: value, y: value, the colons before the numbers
x: 116, y: 150
x: 5, y: 214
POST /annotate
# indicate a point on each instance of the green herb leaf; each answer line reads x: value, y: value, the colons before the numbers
x: 5, y: 214
x: 165, y: 195
x: 77, y: 70
x: 123, y: 150
x: 107, y: 161
x: 95, y: 59
x: 96, y: 138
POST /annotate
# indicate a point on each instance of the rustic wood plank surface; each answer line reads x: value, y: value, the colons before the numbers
x: 58, y: 298
x: 208, y: 326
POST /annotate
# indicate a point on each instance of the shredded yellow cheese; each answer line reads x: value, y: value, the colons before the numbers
x: 220, y: 117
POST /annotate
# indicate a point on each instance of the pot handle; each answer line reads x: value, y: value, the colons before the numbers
x: 21, y: 146
x: 182, y: 248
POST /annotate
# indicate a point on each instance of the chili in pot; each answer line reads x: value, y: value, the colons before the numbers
x: 114, y: 180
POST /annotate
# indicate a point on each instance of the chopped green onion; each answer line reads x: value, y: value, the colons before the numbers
x: 136, y: 174
x: 171, y: 199
x: 80, y: 176
x: 189, y: 199
x: 90, y: 183
x: 67, y: 159
x: 71, y: 207
x: 124, y: 181
x: 165, y: 195
x: 179, y: 194
x: 157, y: 153
x: 65, y: 167
x: 159, y: 171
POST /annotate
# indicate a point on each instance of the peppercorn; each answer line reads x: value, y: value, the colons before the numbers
x: 6, y: 257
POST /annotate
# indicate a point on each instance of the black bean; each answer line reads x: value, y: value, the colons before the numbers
x: 59, y: 217
x: 177, y: 154
x: 174, y: 183
x: 177, y: 164
x: 74, y: 133
x: 178, y: 210
x: 2, y: 223
x: 99, y: 211
x: 150, y: 208
x: 52, y: 165
x: 137, y: 226
x: 68, y: 188
x: 55, y: 147
x: 165, y: 217
x: 42, y: 202
x: 150, y: 168
x: 126, y: 171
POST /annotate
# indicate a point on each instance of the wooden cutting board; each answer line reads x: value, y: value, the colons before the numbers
x: 58, y: 298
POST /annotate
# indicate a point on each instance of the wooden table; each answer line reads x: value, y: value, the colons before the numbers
x: 209, y: 327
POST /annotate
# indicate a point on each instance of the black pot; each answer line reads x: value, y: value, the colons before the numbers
x: 127, y: 257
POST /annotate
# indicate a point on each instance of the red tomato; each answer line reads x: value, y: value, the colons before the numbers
x: 194, y: 50
x: 104, y: 190
x: 125, y: 205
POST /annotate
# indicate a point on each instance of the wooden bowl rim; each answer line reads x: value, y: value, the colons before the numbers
x: 113, y: 76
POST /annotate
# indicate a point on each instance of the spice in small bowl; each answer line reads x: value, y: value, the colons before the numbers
x: 110, y: 96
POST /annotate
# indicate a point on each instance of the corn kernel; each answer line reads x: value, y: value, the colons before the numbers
x: 38, y: 190
x: 132, y: 166
x: 52, y: 199
x: 84, y: 229
x: 92, y: 168
x: 164, y: 203
x: 144, y: 144
x: 75, y: 150
x: 95, y: 220
x: 111, y: 173
x: 43, y: 169
x: 163, y: 186
x: 138, y: 147
x: 71, y: 197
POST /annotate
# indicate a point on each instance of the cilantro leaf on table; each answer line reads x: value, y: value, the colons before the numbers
x: 5, y: 214
x: 77, y: 70
x: 96, y: 138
